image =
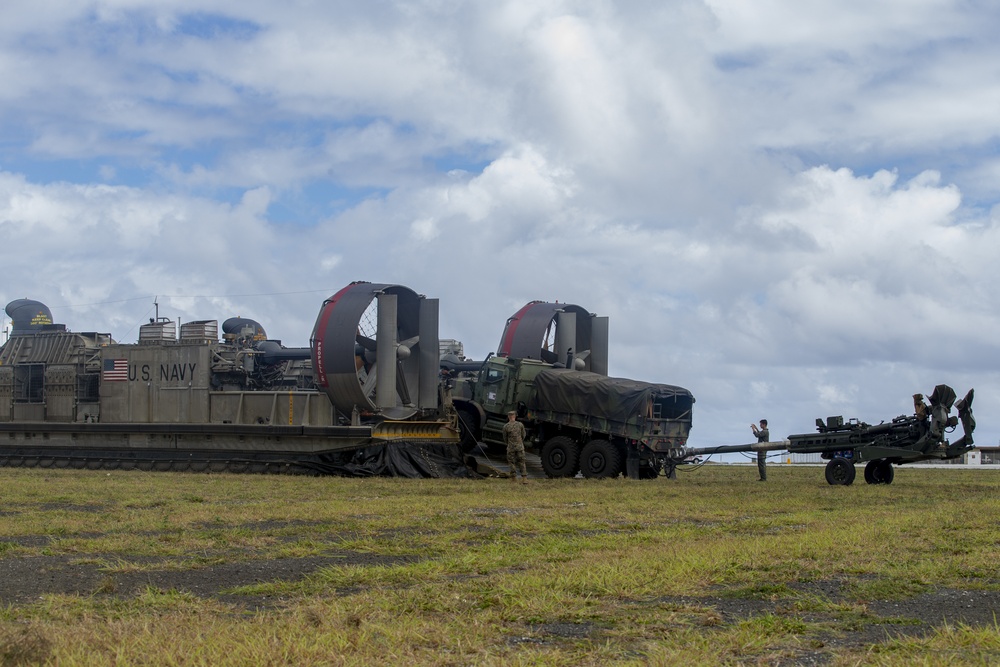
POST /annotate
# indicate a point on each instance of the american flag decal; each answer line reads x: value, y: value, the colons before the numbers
x: 115, y: 370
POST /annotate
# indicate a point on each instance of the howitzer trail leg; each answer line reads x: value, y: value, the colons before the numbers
x: 964, y: 407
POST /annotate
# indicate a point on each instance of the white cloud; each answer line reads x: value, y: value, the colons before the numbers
x: 773, y: 206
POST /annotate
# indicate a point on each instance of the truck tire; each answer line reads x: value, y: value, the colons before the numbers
x: 560, y: 457
x: 840, y: 471
x: 600, y: 459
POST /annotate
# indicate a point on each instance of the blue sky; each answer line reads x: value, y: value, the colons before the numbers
x: 788, y: 208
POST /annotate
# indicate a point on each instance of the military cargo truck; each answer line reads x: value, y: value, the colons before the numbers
x: 577, y: 418
x: 579, y: 421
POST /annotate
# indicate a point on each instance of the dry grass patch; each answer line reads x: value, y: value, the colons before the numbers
x: 711, y: 568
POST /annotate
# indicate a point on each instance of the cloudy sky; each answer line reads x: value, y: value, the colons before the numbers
x: 789, y: 208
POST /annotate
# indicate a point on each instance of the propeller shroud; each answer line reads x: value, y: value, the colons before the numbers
x: 375, y: 349
x: 557, y: 333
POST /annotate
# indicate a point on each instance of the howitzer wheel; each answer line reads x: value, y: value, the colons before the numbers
x: 879, y: 471
x: 840, y: 471
x: 600, y: 459
x: 560, y: 457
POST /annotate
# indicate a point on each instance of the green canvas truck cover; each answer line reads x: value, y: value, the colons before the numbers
x: 615, y: 399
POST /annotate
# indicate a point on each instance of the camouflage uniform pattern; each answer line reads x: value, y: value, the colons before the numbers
x: 763, y: 435
x: 513, y: 436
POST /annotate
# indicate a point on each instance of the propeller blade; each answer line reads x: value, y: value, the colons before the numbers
x: 367, y: 343
x: 401, y: 388
x: 369, y: 384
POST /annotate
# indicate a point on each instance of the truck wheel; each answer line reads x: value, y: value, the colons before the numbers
x: 599, y: 459
x: 840, y: 471
x: 560, y: 457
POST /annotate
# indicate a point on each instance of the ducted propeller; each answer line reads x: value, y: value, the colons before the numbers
x: 375, y: 348
x: 549, y: 332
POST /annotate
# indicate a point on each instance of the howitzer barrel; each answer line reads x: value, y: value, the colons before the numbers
x: 808, y: 443
x: 733, y: 449
x: 817, y: 443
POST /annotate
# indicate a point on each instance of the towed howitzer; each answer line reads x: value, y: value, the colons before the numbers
x: 905, y: 439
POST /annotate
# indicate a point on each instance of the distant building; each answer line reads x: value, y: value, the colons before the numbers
x: 451, y: 346
x: 980, y: 456
x: 984, y: 456
x: 788, y: 457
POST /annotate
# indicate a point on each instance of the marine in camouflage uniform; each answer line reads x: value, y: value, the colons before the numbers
x: 763, y: 435
x: 513, y: 437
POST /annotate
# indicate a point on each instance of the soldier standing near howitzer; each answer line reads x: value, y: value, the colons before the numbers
x: 762, y: 436
x: 513, y: 437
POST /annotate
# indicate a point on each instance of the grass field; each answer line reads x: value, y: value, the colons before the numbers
x: 134, y: 568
